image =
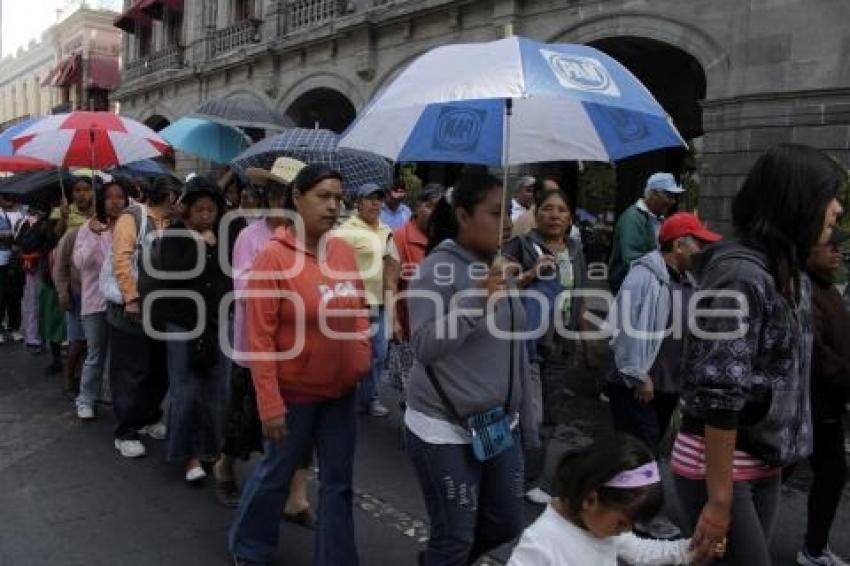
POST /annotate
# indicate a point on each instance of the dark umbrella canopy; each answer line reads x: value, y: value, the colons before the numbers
x: 318, y: 147
x: 242, y: 112
x: 40, y: 187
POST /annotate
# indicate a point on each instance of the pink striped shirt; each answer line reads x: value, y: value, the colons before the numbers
x: 688, y: 461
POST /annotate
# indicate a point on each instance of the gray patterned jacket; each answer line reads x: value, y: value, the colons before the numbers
x: 757, y: 383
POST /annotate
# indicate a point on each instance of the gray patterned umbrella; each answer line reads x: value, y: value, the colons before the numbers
x: 318, y: 146
x: 242, y: 112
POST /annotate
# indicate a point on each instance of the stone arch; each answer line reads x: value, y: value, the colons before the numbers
x: 245, y: 93
x: 322, y: 107
x: 691, y: 39
x: 321, y: 81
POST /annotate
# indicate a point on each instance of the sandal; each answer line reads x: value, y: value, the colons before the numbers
x: 305, y: 518
x: 227, y: 493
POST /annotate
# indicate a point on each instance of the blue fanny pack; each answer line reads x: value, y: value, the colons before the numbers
x: 491, y: 430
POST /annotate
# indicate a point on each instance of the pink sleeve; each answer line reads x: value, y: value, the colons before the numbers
x: 244, y: 253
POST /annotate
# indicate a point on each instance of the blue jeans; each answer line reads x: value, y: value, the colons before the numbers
x: 198, y: 398
x: 73, y: 321
x: 332, y: 426
x: 473, y: 506
x: 97, y: 341
x: 367, y: 391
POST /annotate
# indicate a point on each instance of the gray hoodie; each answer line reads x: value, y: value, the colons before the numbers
x: 451, y: 335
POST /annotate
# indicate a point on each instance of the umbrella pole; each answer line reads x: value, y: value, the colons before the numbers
x: 63, y: 200
x: 506, y: 145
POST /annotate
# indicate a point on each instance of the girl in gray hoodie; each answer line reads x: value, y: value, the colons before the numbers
x: 467, y: 365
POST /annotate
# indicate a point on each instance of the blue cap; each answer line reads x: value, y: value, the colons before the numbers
x: 369, y: 189
x: 664, y: 182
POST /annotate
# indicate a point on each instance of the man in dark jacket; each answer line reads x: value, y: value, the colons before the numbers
x: 830, y: 392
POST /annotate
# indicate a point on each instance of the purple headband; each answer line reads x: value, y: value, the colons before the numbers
x: 641, y: 476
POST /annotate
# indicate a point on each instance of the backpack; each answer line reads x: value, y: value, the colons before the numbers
x: 106, y: 281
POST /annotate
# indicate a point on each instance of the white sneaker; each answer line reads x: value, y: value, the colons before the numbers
x: 196, y: 475
x: 157, y: 431
x: 17, y: 336
x: 827, y: 558
x: 85, y: 413
x: 538, y: 496
x: 130, y: 448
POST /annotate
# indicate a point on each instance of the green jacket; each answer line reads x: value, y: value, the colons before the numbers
x: 634, y: 236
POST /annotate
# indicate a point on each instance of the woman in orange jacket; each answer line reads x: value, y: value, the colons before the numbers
x: 307, y: 330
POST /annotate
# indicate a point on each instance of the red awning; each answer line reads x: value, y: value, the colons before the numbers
x: 67, y: 72
x: 133, y: 17
x: 154, y: 8
x: 103, y: 72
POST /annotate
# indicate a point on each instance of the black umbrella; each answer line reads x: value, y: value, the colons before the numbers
x: 242, y: 112
x: 39, y: 187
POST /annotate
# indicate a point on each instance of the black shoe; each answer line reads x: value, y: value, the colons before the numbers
x: 242, y: 562
x: 227, y: 493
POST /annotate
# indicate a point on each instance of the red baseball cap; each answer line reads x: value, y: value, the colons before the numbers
x: 684, y: 224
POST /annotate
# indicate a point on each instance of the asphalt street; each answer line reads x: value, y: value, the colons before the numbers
x: 67, y: 498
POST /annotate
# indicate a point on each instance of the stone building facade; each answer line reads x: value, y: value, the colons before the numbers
x: 74, y: 65
x: 737, y: 75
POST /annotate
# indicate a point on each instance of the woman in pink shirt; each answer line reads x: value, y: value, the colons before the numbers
x: 90, y: 250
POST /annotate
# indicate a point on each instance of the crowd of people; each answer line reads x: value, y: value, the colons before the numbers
x: 258, y: 312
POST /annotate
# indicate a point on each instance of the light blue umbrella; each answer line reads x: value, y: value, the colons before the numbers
x: 215, y: 142
x: 513, y: 101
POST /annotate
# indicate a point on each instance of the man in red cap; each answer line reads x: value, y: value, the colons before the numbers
x: 644, y: 389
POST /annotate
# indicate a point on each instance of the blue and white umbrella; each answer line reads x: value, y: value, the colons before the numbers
x: 566, y: 102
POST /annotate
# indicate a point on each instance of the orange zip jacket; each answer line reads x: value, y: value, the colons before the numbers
x: 323, y: 366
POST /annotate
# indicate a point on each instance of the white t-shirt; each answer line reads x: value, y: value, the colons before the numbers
x: 13, y: 217
x: 552, y: 540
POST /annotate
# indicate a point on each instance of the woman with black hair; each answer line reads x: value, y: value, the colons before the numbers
x: 467, y: 394
x: 90, y: 251
x: 746, y: 412
x: 600, y: 492
x: 308, y: 343
x: 552, y: 264
x: 197, y: 391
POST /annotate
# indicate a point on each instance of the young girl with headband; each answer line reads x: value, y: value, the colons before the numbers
x: 600, y: 493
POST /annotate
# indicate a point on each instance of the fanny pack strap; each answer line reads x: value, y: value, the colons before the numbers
x: 441, y: 393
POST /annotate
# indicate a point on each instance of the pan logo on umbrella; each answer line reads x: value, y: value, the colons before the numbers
x: 575, y: 72
x: 629, y: 126
x: 458, y: 128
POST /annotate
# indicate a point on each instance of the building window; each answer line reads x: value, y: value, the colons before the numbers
x: 174, y: 27
x: 244, y: 10
x: 145, y: 35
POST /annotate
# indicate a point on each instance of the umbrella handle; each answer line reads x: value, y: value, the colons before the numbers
x: 506, y: 145
x: 63, y: 200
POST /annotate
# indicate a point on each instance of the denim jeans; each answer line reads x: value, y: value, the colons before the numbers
x: 332, y: 425
x: 97, y: 341
x: 29, y: 309
x: 473, y: 506
x: 198, y: 398
x: 367, y: 391
x: 754, y: 505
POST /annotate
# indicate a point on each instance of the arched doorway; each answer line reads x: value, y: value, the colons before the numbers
x: 157, y: 122
x: 323, y: 108
x: 678, y: 81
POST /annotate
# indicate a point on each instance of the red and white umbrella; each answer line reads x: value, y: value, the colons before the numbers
x: 88, y: 139
x: 22, y: 164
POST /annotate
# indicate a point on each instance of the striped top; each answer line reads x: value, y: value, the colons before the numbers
x: 688, y: 461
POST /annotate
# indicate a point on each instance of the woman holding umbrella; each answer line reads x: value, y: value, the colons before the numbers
x: 467, y: 393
